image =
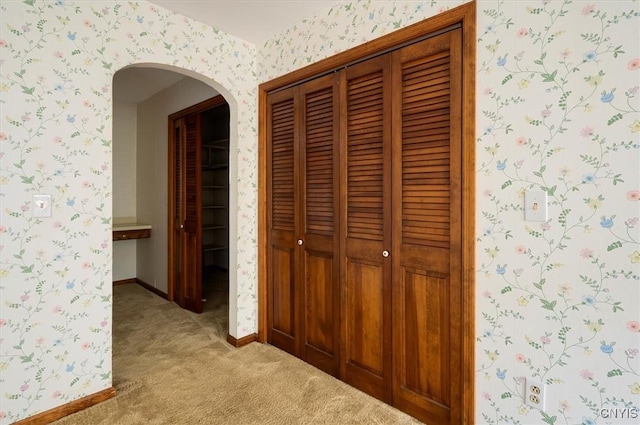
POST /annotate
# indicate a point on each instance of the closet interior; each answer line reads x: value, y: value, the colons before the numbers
x: 199, y: 205
x: 215, y: 188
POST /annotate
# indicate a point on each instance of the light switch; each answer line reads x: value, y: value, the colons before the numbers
x: 41, y: 206
x: 535, y: 205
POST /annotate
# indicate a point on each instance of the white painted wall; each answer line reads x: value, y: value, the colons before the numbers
x: 124, y: 187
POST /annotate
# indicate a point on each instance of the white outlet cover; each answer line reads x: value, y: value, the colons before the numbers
x: 535, y: 205
x: 41, y: 206
x: 534, y: 394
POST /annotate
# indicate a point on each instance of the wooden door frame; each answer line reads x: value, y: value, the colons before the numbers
x: 171, y: 175
x: 465, y: 17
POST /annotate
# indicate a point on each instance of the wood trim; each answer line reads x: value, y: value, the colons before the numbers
x: 389, y: 41
x: 468, y: 20
x: 242, y: 341
x: 124, y: 281
x: 466, y: 16
x: 262, y: 215
x: 67, y: 409
x: 152, y: 289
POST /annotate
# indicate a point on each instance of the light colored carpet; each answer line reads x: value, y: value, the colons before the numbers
x: 174, y: 367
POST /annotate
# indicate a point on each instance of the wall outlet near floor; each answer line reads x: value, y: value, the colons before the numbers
x: 534, y: 394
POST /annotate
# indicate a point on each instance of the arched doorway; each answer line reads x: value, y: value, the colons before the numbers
x: 153, y: 92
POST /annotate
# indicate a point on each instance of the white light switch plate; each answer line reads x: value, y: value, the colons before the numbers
x: 535, y: 205
x: 41, y: 206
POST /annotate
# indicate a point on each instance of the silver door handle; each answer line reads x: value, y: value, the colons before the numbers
x: 300, y: 242
x: 385, y: 253
x: 182, y: 226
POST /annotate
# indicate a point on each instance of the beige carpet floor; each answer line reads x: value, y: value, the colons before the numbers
x: 175, y: 367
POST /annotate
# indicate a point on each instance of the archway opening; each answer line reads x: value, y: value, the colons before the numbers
x: 144, y: 95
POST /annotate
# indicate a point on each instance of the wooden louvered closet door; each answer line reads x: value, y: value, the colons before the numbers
x: 178, y: 206
x: 427, y: 228
x: 366, y: 231
x: 320, y: 224
x: 191, y: 251
x: 283, y: 328
x: 303, y: 193
x: 364, y: 199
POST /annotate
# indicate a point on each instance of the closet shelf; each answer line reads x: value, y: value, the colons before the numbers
x: 215, y: 187
x: 213, y: 227
x: 209, y: 248
x: 216, y: 144
x: 214, y: 166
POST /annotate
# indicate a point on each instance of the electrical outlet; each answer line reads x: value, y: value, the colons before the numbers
x: 534, y: 394
x: 41, y: 206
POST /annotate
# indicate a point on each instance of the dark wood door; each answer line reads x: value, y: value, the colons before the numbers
x: 303, y: 221
x: 283, y: 316
x: 185, y: 239
x: 366, y: 227
x: 187, y: 216
x: 427, y: 211
x: 177, y: 209
x: 319, y: 241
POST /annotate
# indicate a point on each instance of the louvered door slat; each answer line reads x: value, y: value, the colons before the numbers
x: 191, y: 164
x: 319, y: 159
x: 365, y: 156
x: 282, y: 165
x: 426, y: 132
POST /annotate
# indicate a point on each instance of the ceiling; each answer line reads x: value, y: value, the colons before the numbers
x: 252, y: 20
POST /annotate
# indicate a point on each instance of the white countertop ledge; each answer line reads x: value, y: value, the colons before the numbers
x: 130, y: 226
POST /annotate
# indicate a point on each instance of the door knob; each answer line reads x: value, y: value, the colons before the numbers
x: 385, y: 253
x: 300, y: 242
x: 182, y: 226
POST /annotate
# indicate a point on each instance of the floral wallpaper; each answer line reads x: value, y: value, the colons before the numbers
x: 57, y: 61
x: 558, y: 110
x: 559, y: 301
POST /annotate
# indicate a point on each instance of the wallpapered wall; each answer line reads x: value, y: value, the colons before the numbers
x: 57, y: 60
x: 559, y: 301
x: 557, y: 107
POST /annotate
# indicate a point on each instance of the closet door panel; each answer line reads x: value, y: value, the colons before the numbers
x: 365, y: 318
x: 366, y: 294
x: 319, y: 319
x: 426, y: 223
x: 192, y: 250
x: 283, y: 321
x: 283, y: 325
x: 319, y: 150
